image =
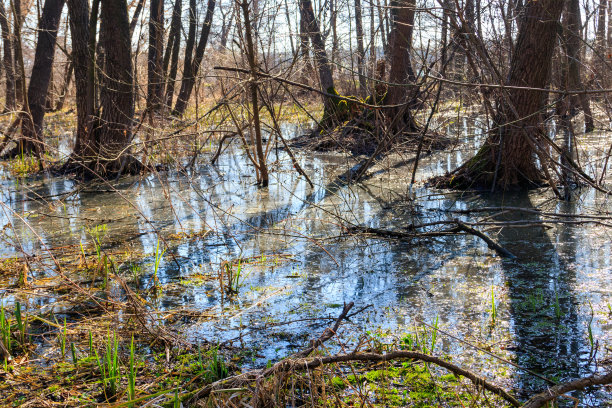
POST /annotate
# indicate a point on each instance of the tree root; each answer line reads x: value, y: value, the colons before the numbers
x: 96, y: 169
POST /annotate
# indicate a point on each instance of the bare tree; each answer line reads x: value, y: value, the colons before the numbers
x: 509, y: 157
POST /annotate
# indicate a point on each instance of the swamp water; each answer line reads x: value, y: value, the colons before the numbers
x: 296, y: 267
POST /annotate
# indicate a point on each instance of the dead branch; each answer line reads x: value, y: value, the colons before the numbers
x: 539, y: 400
x: 459, y: 227
x: 301, y: 364
x: 327, y: 334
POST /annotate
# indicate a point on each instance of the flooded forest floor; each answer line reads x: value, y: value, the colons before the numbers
x: 146, y: 290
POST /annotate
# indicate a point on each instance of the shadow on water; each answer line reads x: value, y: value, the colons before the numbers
x: 543, y: 297
x: 548, y: 334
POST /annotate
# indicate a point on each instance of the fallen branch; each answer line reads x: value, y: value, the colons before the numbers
x: 490, y: 243
x: 256, y: 375
x: 327, y: 334
x: 539, y: 400
x: 459, y: 227
x: 301, y: 364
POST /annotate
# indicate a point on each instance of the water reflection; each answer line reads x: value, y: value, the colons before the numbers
x: 542, y: 299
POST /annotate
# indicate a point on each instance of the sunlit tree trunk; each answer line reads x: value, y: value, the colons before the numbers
x: 82, y: 60
x: 32, y: 121
x: 7, y: 60
x: 154, y: 60
x: 509, y: 156
x: 572, y: 43
x: 191, y: 71
x: 320, y: 55
x: 360, y: 48
x: 172, y: 52
x: 114, y: 130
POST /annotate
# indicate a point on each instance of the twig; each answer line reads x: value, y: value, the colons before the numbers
x: 327, y: 334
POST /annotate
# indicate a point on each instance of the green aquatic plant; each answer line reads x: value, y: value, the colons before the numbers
x: 234, y: 275
x: 62, y: 339
x: 158, y: 258
x: 132, y: 374
x: 493, y: 307
x: 434, y: 335
x: 73, y: 351
x: 96, y: 233
x: 5, y: 329
x: 109, y: 367
x: 216, y: 369
x: 590, y: 330
x: 21, y: 326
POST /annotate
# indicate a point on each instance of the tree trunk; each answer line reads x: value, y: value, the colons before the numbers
x: 360, y: 48
x: 20, y: 82
x: 509, y: 157
x: 172, y: 52
x: 7, y: 60
x: 189, y: 75
x: 65, y: 86
x: 320, y: 56
x: 135, y: 16
x: 32, y: 121
x: 82, y: 62
x: 262, y: 169
x: 400, y: 46
x: 572, y: 43
x: 114, y: 130
x: 154, y: 61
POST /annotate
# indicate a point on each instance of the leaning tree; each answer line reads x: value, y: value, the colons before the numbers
x: 516, y: 151
x: 34, y: 107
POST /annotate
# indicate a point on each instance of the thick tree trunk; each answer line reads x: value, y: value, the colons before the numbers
x: 320, y: 56
x: 82, y: 60
x: 191, y: 71
x: 32, y: 121
x: 400, y: 46
x: 7, y: 60
x: 114, y: 130
x: 509, y: 157
x: 154, y: 62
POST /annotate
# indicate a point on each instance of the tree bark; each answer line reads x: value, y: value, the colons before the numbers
x: 320, y: 56
x: 509, y: 157
x: 172, y: 52
x: 7, y: 60
x: 32, y: 120
x: 572, y: 43
x: 114, y: 130
x: 191, y: 71
x: 400, y: 46
x: 18, y: 20
x: 135, y: 16
x: 360, y: 48
x: 82, y: 60
x: 154, y: 61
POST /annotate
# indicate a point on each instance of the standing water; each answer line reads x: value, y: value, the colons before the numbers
x: 293, y: 264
